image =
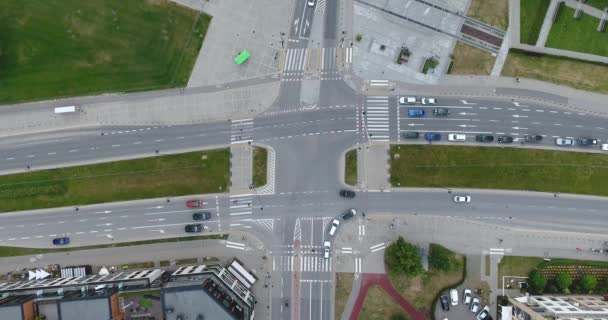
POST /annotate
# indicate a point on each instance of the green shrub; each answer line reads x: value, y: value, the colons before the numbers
x: 563, y: 280
x: 441, y: 258
x: 402, y: 257
x: 359, y: 37
x: 537, y: 281
x: 588, y: 282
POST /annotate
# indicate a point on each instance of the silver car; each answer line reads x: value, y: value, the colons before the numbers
x: 564, y: 141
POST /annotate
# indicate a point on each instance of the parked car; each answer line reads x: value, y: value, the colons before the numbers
x: 484, y: 138
x: 505, y: 139
x: 347, y: 193
x: 445, y: 303
x: 194, y: 228
x: 349, y: 214
x: 457, y: 137
x: 484, y: 314
x: 432, y: 136
x: 407, y: 100
x: 533, y: 138
x: 564, y: 141
x: 61, y: 241
x: 311, y: 3
x: 194, y: 203
x: 605, y: 147
x: 326, y: 245
x: 466, y: 296
x: 428, y: 101
x: 586, y: 142
x: 410, y: 135
x: 441, y: 112
x: 334, y: 227
x: 474, y: 307
x: 454, y: 297
x: 459, y: 199
x: 415, y: 113
x: 205, y: 215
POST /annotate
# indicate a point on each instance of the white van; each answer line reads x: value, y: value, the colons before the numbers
x: 334, y: 227
x: 454, y: 297
x: 457, y: 137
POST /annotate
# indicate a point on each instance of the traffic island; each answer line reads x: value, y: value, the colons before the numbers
x: 260, y: 166
x: 350, y: 167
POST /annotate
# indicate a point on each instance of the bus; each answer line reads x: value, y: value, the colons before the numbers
x: 242, y: 57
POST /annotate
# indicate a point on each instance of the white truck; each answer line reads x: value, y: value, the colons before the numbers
x: 67, y: 109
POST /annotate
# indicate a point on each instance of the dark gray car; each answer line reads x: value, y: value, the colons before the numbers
x: 205, y: 215
x: 410, y: 135
x: 441, y: 112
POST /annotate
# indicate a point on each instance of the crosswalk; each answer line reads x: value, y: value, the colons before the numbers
x: 320, y: 7
x: 295, y: 59
x: 241, y: 205
x: 377, y: 118
x: 241, y: 131
x: 328, y: 59
x: 302, y: 264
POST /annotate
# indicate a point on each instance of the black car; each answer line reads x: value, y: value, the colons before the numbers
x: 586, y: 141
x: 61, y: 241
x: 347, y: 193
x: 191, y: 228
x: 441, y: 112
x: 205, y: 215
x: 505, y: 139
x: 533, y: 138
x: 445, y: 303
x: 349, y: 214
x: 484, y: 138
x: 410, y: 135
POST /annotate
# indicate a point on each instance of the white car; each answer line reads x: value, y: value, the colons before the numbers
x: 605, y: 147
x: 466, y: 296
x: 484, y: 314
x: 407, y: 100
x: 459, y: 199
x: 564, y: 141
x: 457, y: 137
x: 326, y: 246
x: 428, y: 101
x: 474, y: 305
x: 311, y: 3
x: 454, y: 297
x: 334, y: 227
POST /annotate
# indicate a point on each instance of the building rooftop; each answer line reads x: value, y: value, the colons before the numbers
x: 192, y: 301
x: 90, y: 308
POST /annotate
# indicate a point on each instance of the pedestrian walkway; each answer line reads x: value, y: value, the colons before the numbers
x: 547, y: 23
x: 241, y: 131
x: 241, y: 205
x: 375, y: 162
x: 241, y: 168
x: 501, y: 58
x: 377, y: 118
x: 304, y: 264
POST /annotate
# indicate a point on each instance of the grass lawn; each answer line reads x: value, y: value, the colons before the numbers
x: 532, y: 14
x: 577, y: 34
x: 499, y: 168
x: 260, y: 161
x: 492, y: 12
x: 600, y: 4
x: 164, y: 176
x: 344, y: 284
x: 471, y: 60
x: 72, y: 47
x: 350, y: 168
x: 516, y: 266
x: 573, y: 73
x: 17, y: 251
x: 378, y: 305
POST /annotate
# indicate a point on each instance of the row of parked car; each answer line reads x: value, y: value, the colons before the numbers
x: 197, y: 216
x: 586, y: 142
x: 410, y: 100
x: 420, y: 113
x: 472, y: 303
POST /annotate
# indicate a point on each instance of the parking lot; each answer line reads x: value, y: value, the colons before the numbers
x: 461, y: 311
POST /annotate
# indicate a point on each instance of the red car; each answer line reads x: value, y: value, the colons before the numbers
x: 194, y: 204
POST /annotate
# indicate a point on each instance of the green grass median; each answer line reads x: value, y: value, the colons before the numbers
x: 162, y: 176
x: 499, y: 168
x: 18, y: 251
x: 579, y: 35
x: 350, y: 167
x: 260, y: 162
x: 532, y: 14
x: 73, y: 47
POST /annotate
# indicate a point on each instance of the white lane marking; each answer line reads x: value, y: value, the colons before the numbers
x: 73, y: 150
x: 51, y: 153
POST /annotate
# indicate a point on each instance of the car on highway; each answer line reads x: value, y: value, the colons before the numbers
x: 533, y: 138
x: 311, y: 3
x: 349, y: 214
x: 605, y: 147
x: 410, y: 135
x: 564, y: 141
x: 454, y: 297
x: 586, y: 141
x: 61, y: 241
x: 505, y: 139
x: 428, y: 101
x: 415, y: 113
x: 334, y: 227
x: 474, y: 307
x: 484, y: 313
x: 484, y: 138
x: 194, y: 203
x: 445, y: 303
x: 432, y: 136
x: 466, y: 296
x: 461, y: 199
x: 457, y: 137
x: 347, y: 193
x: 204, y: 215
x: 407, y: 100
x: 326, y: 245
x: 194, y: 228
x: 442, y: 112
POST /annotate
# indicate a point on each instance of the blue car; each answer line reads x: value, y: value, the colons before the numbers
x: 415, y: 113
x: 431, y: 136
x: 61, y: 241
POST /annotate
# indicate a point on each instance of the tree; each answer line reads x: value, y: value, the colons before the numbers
x: 563, y: 280
x: 440, y: 258
x: 588, y: 282
x: 538, y: 281
x: 402, y: 257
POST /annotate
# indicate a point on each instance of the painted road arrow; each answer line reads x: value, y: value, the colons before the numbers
x: 157, y: 220
x: 518, y: 116
x: 415, y: 124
